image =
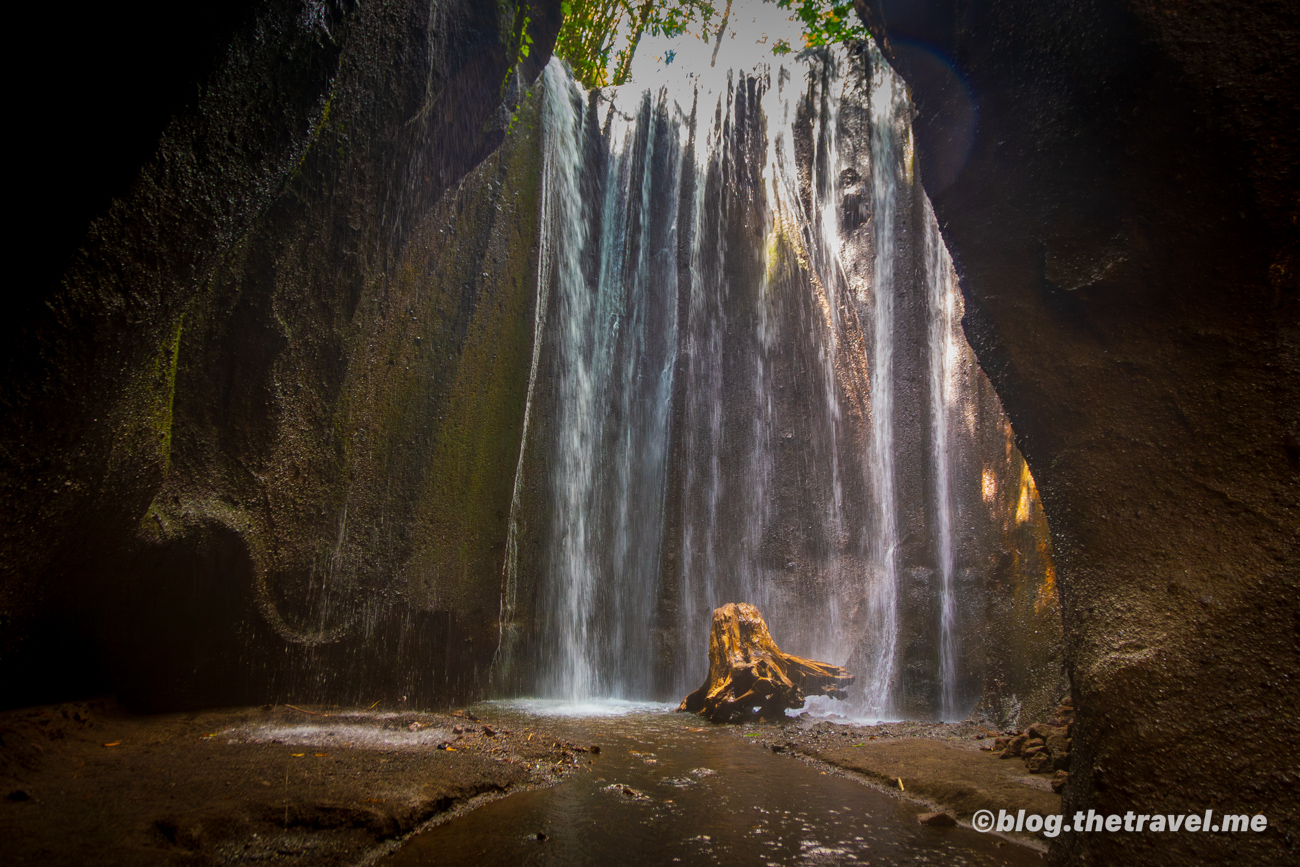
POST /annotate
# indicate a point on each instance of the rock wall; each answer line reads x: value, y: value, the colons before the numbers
x: 269, y: 413
x: 1118, y: 185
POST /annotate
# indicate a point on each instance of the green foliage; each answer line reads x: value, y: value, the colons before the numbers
x: 823, y: 23
x: 520, y: 40
x: 592, y: 28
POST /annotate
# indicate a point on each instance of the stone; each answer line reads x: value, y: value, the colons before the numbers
x: 1014, y: 746
x: 1044, y: 731
x: 936, y: 820
x: 627, y: 791
x: 1058, y: 781
x: 1039, y: 763
x: 750, y: 678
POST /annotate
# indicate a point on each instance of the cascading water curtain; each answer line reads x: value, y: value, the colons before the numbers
x: 890, y: 155
x: 613, y: 346
x: 941, y: 280
x: 564, y: 229
x: 719, y: 278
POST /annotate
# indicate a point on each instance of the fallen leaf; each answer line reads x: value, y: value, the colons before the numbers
x: 114, y: 744
x: 297, y: 755
x: 321, y: 755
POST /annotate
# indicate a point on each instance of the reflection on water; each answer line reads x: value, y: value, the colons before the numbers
x: 667, y: 788
x: 595, y: 707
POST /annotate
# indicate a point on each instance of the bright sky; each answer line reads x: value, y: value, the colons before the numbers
x: 754, y: 26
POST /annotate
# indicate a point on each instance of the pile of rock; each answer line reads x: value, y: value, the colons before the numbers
x: 1044, y: 747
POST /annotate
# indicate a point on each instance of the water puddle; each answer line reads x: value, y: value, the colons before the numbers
x: 667, y: 788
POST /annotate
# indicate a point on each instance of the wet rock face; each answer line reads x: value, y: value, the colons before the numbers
x: 228, y: 443
x: 1121, y: 211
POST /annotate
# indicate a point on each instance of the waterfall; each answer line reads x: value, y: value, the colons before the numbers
x: 612, y: 337
x: 571, y: 601
x: 712, y: 412
x: 941, y: 280
x: 559, y: 209
x: 888, y: 103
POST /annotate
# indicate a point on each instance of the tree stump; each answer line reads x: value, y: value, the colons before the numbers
x: 750, y: 678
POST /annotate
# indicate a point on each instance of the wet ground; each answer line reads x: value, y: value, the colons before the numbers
x: 666, y: 788
x: 497, y: 783
x: 86, y: 783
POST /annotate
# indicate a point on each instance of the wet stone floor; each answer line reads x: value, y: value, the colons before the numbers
x: 665, y: 788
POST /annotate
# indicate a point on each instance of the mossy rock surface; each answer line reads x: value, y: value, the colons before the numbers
x: 184, y: 411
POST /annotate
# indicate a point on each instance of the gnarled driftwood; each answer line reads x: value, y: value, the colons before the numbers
x: 750, y: 678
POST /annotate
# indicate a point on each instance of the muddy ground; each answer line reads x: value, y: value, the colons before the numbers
x: 86, y: 783
x: 949, y: 767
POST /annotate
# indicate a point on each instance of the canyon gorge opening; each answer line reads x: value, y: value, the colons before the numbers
x: 266, y: 439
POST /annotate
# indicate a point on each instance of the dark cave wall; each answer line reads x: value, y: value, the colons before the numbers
x: 227, y: 441
x: 1125, y: 225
